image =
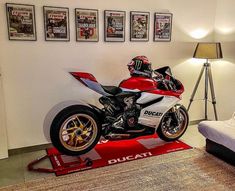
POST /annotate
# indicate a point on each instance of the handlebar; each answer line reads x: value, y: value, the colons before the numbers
x: 167, y: 84
x: 166, y: 80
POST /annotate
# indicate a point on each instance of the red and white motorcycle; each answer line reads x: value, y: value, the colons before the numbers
x: 139, y: 106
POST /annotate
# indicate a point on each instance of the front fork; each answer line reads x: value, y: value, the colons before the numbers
x: 176, y: 114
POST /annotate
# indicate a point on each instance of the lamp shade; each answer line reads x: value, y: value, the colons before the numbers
x: 208, y: 50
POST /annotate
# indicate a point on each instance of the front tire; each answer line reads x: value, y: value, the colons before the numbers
x: 167, y: 131
x: 75, y: 130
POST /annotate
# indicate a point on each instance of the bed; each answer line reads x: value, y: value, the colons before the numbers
x: 220, y: 138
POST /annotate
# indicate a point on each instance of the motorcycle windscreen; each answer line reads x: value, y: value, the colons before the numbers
x: 89, y: 80
x: 166, y: 70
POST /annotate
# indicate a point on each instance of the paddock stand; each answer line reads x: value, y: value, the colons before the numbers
x: 59, y: 168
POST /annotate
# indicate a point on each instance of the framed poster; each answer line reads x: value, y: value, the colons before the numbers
x: 114, y: 26
x: 56, y: 23
x: 139, y: 26
x: 21, y: 22
x: 86, y: 23
x: 162, y: 27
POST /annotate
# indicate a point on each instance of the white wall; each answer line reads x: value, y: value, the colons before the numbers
x: 3, y: 132
x: 35, y: 74
x: 224, y: 70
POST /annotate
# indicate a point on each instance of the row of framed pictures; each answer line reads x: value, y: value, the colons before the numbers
x: 21, y: 24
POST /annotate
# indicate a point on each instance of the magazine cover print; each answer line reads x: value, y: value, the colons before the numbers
x: 56, y: 23
x: 86, y: 25
x: 21, y: 23
x: 139, y: 26
x: 115, y: 25
x: 163, y: 27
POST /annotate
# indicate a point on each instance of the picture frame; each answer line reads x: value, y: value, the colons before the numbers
x: 87, y: 25
x: 21, y: 22
x: 139, y: 26
x: 114, y: 26
x: 56, y: 23
x: 162, y: 27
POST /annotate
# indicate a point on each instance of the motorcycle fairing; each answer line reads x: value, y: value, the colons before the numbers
x: 143, y: 84
x: 90, y: 81
x: 152, y: 115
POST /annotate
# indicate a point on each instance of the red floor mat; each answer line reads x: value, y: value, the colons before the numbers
x: 113, y: 152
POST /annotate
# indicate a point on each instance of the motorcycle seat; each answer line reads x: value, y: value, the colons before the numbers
x: 113, y: 90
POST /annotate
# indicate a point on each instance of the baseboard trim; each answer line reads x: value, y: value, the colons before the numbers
x: 195, y: 122
x: 28, y: 149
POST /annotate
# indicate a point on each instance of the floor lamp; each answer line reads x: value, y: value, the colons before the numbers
x: 207, y: 51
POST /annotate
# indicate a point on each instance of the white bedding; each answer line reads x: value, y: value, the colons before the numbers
x: 221, y: 132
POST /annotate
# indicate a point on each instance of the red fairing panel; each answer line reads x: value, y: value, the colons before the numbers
x: 89, y: 81
x: 139, y: 83
x: 84, y: 75
x: 142, y: 83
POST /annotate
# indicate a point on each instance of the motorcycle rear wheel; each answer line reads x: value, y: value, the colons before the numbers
x: 170, y: 133
x: 75, y: 130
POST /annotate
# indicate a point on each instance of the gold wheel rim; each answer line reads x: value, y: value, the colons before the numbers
x: 78, y: 132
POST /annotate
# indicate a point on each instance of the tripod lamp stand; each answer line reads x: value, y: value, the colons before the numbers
x: 206, y: 51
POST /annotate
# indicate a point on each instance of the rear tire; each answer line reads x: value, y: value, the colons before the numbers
x: 171, y: 133
x: 75, y: 130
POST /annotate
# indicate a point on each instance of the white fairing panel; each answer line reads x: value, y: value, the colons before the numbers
x: 94, y: 86
x: 152, y: 115
x: 146, y: 97
x: 129, y: 90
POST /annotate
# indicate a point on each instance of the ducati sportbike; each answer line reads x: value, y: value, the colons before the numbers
x: 138, y: 107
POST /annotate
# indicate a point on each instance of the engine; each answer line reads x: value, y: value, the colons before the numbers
x: 131, y: 112
x: 121, y: 112
x: 111, y: 107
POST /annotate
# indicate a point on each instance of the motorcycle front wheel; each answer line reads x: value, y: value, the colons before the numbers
x: 168, y: 130
x: 75, y: 130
